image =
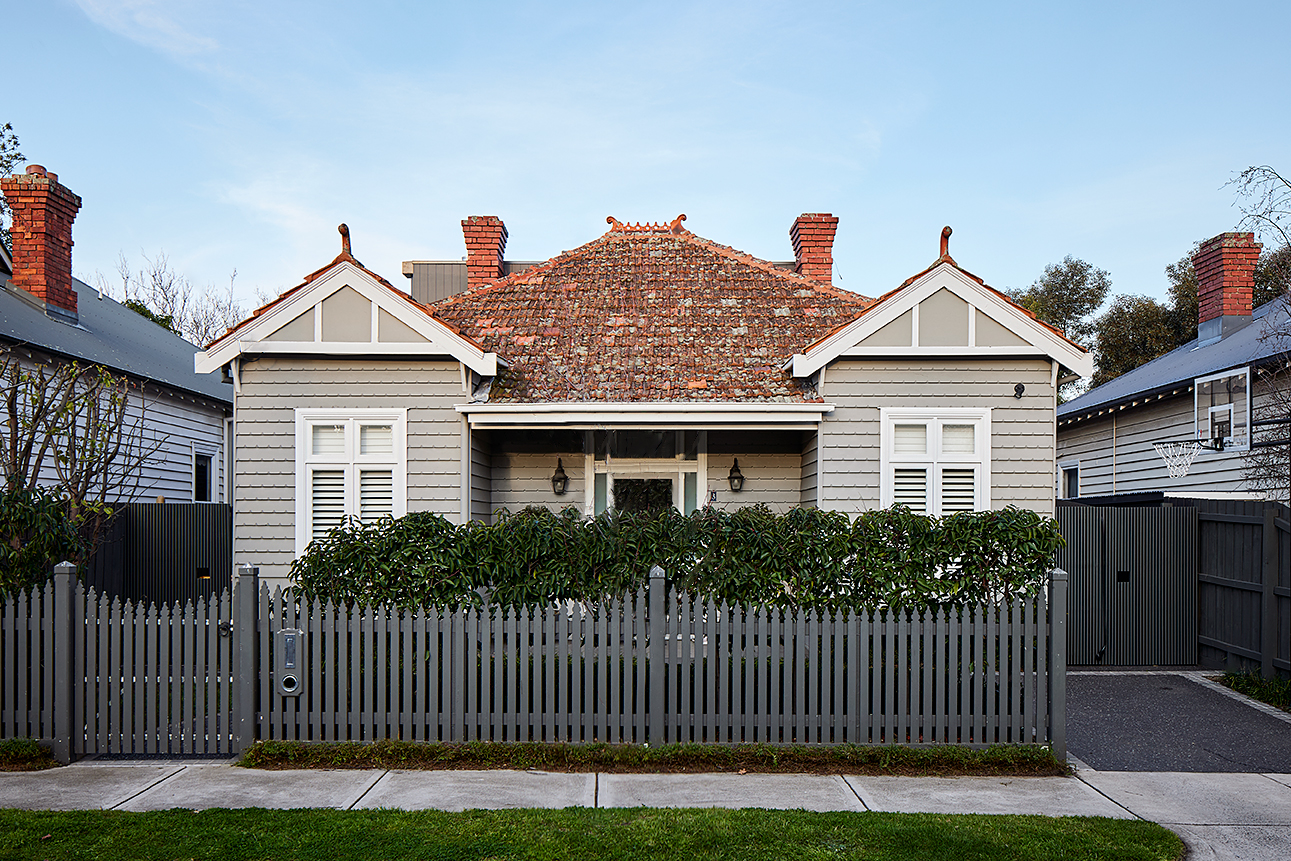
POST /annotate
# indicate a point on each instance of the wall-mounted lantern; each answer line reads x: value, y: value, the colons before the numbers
x: 736, y: 478
x: 559, y: 480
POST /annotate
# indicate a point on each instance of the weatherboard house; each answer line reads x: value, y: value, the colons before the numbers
x: 1201, y: 398
x: 649, y: 354
x: 48, y: 317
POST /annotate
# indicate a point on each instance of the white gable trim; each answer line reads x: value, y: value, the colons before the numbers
x: 440, y: 340
x: 848, y: 340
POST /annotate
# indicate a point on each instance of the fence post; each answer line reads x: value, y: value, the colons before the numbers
x: 656, y: 715
x: 63, y: 697
x: 1058, y: 663
x: 1269, y: 618
x: 246, y: 599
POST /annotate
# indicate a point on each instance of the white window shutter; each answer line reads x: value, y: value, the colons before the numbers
x: 326, y: 501
x: 958, y: 489
x: 376, y: 494
x: 910, y: 488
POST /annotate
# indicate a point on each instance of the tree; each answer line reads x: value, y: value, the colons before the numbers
x: 1264, y: 199
x: 10, y: 160
x: 171, y: 301
x: 71, y: 433
x: 1066, y: 297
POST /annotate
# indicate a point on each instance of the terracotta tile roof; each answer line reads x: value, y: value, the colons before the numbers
x: 649, y: 313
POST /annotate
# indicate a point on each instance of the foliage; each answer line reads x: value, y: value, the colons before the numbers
x: 905, y: 760
x: 1264, y: 199
x: 35, y: 533
x: 1275, y: 692
x: 24, y: 754
x: 805, y: 558
x: 606, y: 834
x: 71, y: 428
x: 10, y: 160
x: 1066, y: 297
x: 171, y: 300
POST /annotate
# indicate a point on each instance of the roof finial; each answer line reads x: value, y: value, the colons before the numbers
x: 675, y: 225
x: 344, y: 230
x: 945, y: 240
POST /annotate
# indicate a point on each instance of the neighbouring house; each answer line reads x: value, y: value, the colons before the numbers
x: 1202, y: 392
x: 647, y: 359
x: 48, y: 316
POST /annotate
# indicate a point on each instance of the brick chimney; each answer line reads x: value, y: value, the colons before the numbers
x: 1225, y: 267
x: 486, y: 240
x: 813, y: 245
x: 43, y: 212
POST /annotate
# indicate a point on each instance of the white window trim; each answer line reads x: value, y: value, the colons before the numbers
x: 212, y: 484
x: 1210, y: 413
x: 398, y: 418
x: 889, y: 417
x: 1063, y: 466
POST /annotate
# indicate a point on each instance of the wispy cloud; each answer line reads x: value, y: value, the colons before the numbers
x: 149, y: 22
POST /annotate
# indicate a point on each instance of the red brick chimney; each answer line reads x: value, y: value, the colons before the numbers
x: 486, y: 239
x: 1225, y: 267
x: 43, y: 212
x: 813, y: 245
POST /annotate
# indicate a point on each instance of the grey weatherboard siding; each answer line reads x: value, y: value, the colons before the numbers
x: 1116, y: 454
x: 1022, y: 430
x: 264, y: 511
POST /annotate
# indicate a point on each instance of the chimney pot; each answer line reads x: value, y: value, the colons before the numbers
x: 1225, y: 267
x: 813, y: 245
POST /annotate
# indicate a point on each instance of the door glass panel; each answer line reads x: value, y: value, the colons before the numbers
x: 691, y: 501
x: 601, y: 493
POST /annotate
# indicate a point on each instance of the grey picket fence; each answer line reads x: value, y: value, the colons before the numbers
x: 705, y: 672
x: 94, y: 675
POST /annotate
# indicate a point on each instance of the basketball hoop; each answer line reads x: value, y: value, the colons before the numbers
x: 1178, y: 456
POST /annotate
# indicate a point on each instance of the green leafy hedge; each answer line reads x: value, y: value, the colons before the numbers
x: 806, y: 558
x: 35, y: 533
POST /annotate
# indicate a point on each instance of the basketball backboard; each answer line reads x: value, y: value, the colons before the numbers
x: 1223, y: 408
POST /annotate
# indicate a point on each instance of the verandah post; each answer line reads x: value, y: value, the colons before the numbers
x: 656, y: 715
x: 62, y: 697
x: 246, y: 600
x: 1058, y: 663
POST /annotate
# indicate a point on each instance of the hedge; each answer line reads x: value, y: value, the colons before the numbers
x: 804, y: 558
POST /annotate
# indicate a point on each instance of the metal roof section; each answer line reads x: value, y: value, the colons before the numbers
x: 1247, y: 346
x: 108, y: 334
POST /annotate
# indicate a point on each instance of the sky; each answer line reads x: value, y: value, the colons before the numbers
x: 236, y: 135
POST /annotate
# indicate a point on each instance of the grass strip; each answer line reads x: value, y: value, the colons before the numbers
x: 611, y: 834
x: 1275, y: 692
x: 1013, y: 760
x: 24, y: 754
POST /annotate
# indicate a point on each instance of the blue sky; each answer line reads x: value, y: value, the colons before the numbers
x: 239, y: 134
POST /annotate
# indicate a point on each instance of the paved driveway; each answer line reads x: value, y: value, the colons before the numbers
x: 1176, y: 722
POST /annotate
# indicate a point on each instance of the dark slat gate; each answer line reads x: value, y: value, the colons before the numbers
x: 1133, y: 586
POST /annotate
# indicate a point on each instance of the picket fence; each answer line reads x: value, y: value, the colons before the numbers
x: 95, y: 676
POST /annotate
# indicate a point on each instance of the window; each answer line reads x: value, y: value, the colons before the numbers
x: 1224, y: 408
x: 349, y: 464
x: 202, y: 477
x: 1069, y: 480
x: 935, y: 461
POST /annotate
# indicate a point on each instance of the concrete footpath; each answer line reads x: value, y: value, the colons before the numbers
x: 1219, y: 815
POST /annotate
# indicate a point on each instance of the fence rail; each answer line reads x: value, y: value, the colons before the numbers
x: 99, y: 675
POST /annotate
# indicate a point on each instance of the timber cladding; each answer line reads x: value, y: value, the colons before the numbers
x: 264, y: 447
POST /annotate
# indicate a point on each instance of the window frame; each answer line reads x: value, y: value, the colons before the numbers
x: 935, y: 459
x: 1065, y: 467
x: 350, y: 461
x: 210, y: 454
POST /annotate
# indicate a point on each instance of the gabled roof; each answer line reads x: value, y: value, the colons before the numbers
x: 1183, y: 365
x: 108, y: 334
x: 890, y: 327
x: 649, y: 313
x: 390, y: 322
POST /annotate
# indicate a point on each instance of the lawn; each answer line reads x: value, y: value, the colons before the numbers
x: 739, y: 835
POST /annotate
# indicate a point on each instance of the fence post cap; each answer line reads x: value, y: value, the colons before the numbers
x: 1057, y: 574
x: 656, y: 573
x: 64, y: 568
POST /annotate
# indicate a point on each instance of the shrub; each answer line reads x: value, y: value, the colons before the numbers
x: 35, y: 534
x: 804, y: 558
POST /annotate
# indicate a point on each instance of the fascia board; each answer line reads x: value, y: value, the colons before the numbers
x: 440, y: 339
x: 844, y: 342
x: 772, y: 415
